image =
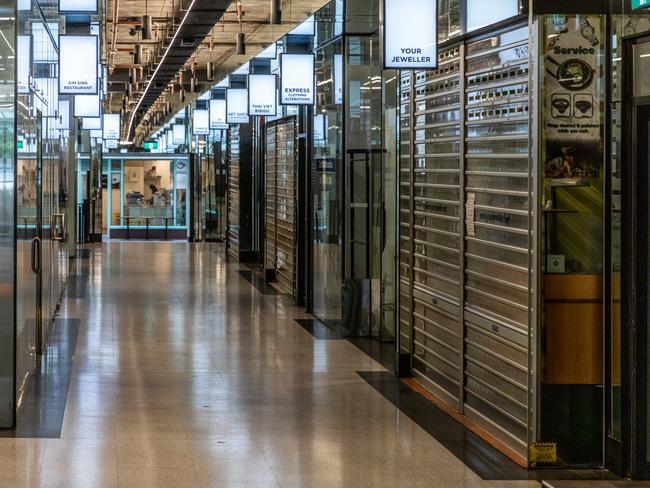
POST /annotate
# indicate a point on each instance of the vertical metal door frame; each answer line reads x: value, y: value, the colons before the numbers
x: 37, y: 243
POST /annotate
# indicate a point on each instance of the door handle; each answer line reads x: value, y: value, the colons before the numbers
x: 36, y: 255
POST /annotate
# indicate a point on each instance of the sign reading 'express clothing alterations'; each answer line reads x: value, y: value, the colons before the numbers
x: 297, y: 84
x: 410, y: 34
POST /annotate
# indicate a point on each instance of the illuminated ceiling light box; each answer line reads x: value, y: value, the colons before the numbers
x: 262, y: 97
x: 218, y: 114
x: 481, y: 13
x: 237, y: 106
x: 201, y: 123
x: 23, y: 63
x: 78, y: 65
x: 411, y: 38
x: 78, y: 6
x: 297, y: 80
x: 112, y: 125
x: 87, y: 106
x: 91, y: 123
x: 178, y: 134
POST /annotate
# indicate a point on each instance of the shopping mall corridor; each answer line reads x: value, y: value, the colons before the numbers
x: 188, y: 373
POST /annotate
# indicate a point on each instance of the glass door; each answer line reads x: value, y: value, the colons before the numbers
x: 29, y: 296
x: 635, y: 293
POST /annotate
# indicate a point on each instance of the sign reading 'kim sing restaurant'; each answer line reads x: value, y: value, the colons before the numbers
x: 410, y: 34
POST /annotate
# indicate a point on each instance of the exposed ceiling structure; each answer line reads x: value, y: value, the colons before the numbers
x: 157, y: 66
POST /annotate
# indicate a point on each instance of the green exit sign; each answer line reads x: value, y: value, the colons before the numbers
x: 149, y: 145
x: 637, y: 4
x: 20, y: 144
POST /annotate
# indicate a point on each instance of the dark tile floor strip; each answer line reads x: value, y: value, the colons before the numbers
x: 77, y: 286
x: 318, y: 329
x: 258, y: 283
x: 474, y: 452
x: 45, y: 400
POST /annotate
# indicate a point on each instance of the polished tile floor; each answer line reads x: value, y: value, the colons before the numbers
x: 186, y: 375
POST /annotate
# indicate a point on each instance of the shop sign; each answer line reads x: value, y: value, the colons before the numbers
x: 410, y: 34
x: 637, y: 4
x: 218, y: 114
x: 78, y: 65
x: 261, y: 95
x: 201, y: 123
x: 338, y: 79
x: 150, y: 145
x: 237, y: 106
x: 573, y: 98
x: 112, y: 127
x: 298, y: 84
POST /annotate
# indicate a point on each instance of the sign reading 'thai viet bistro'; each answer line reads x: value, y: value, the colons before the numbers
x: 410, y: 34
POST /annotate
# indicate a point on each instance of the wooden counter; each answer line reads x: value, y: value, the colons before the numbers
x: 574, y: 329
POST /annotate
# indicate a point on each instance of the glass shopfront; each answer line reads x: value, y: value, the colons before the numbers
x: 328, y: 161
x: 142, y: 197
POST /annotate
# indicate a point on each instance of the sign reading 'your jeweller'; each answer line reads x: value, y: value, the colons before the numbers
x: 410, y: 34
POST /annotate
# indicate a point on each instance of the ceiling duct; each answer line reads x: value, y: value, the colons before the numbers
x: 199, y: 19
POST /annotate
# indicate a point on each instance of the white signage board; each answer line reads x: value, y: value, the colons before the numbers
x: 78, y: 6
x: 87, y: 106
x: 298, y: 84
x: 237, y: 106
x: 112, y: 127
x: 218, y: 114
x: 411, y: 34
x: 78, y: 65
x: 481, y: 13
x: 112, y: 144
x: 201, y: 122
x: 178, y: 134
x: 261, y: 95
x: 23, y: 63
x: 91, y: 123
x: 338, y: 79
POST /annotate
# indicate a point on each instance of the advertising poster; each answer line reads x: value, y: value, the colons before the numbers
x: 572, y: 115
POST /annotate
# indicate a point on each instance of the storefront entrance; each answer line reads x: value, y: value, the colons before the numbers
x: 635, y: 293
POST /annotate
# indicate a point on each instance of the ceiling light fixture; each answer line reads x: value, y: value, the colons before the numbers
x: 162, y: 61
x: 275, y: 17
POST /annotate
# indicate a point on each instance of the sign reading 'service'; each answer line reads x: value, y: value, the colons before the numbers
x: 410, y: 34
x: 297, y: 84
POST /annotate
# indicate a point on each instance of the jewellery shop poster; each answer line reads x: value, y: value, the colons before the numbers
x: 573, y: 97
